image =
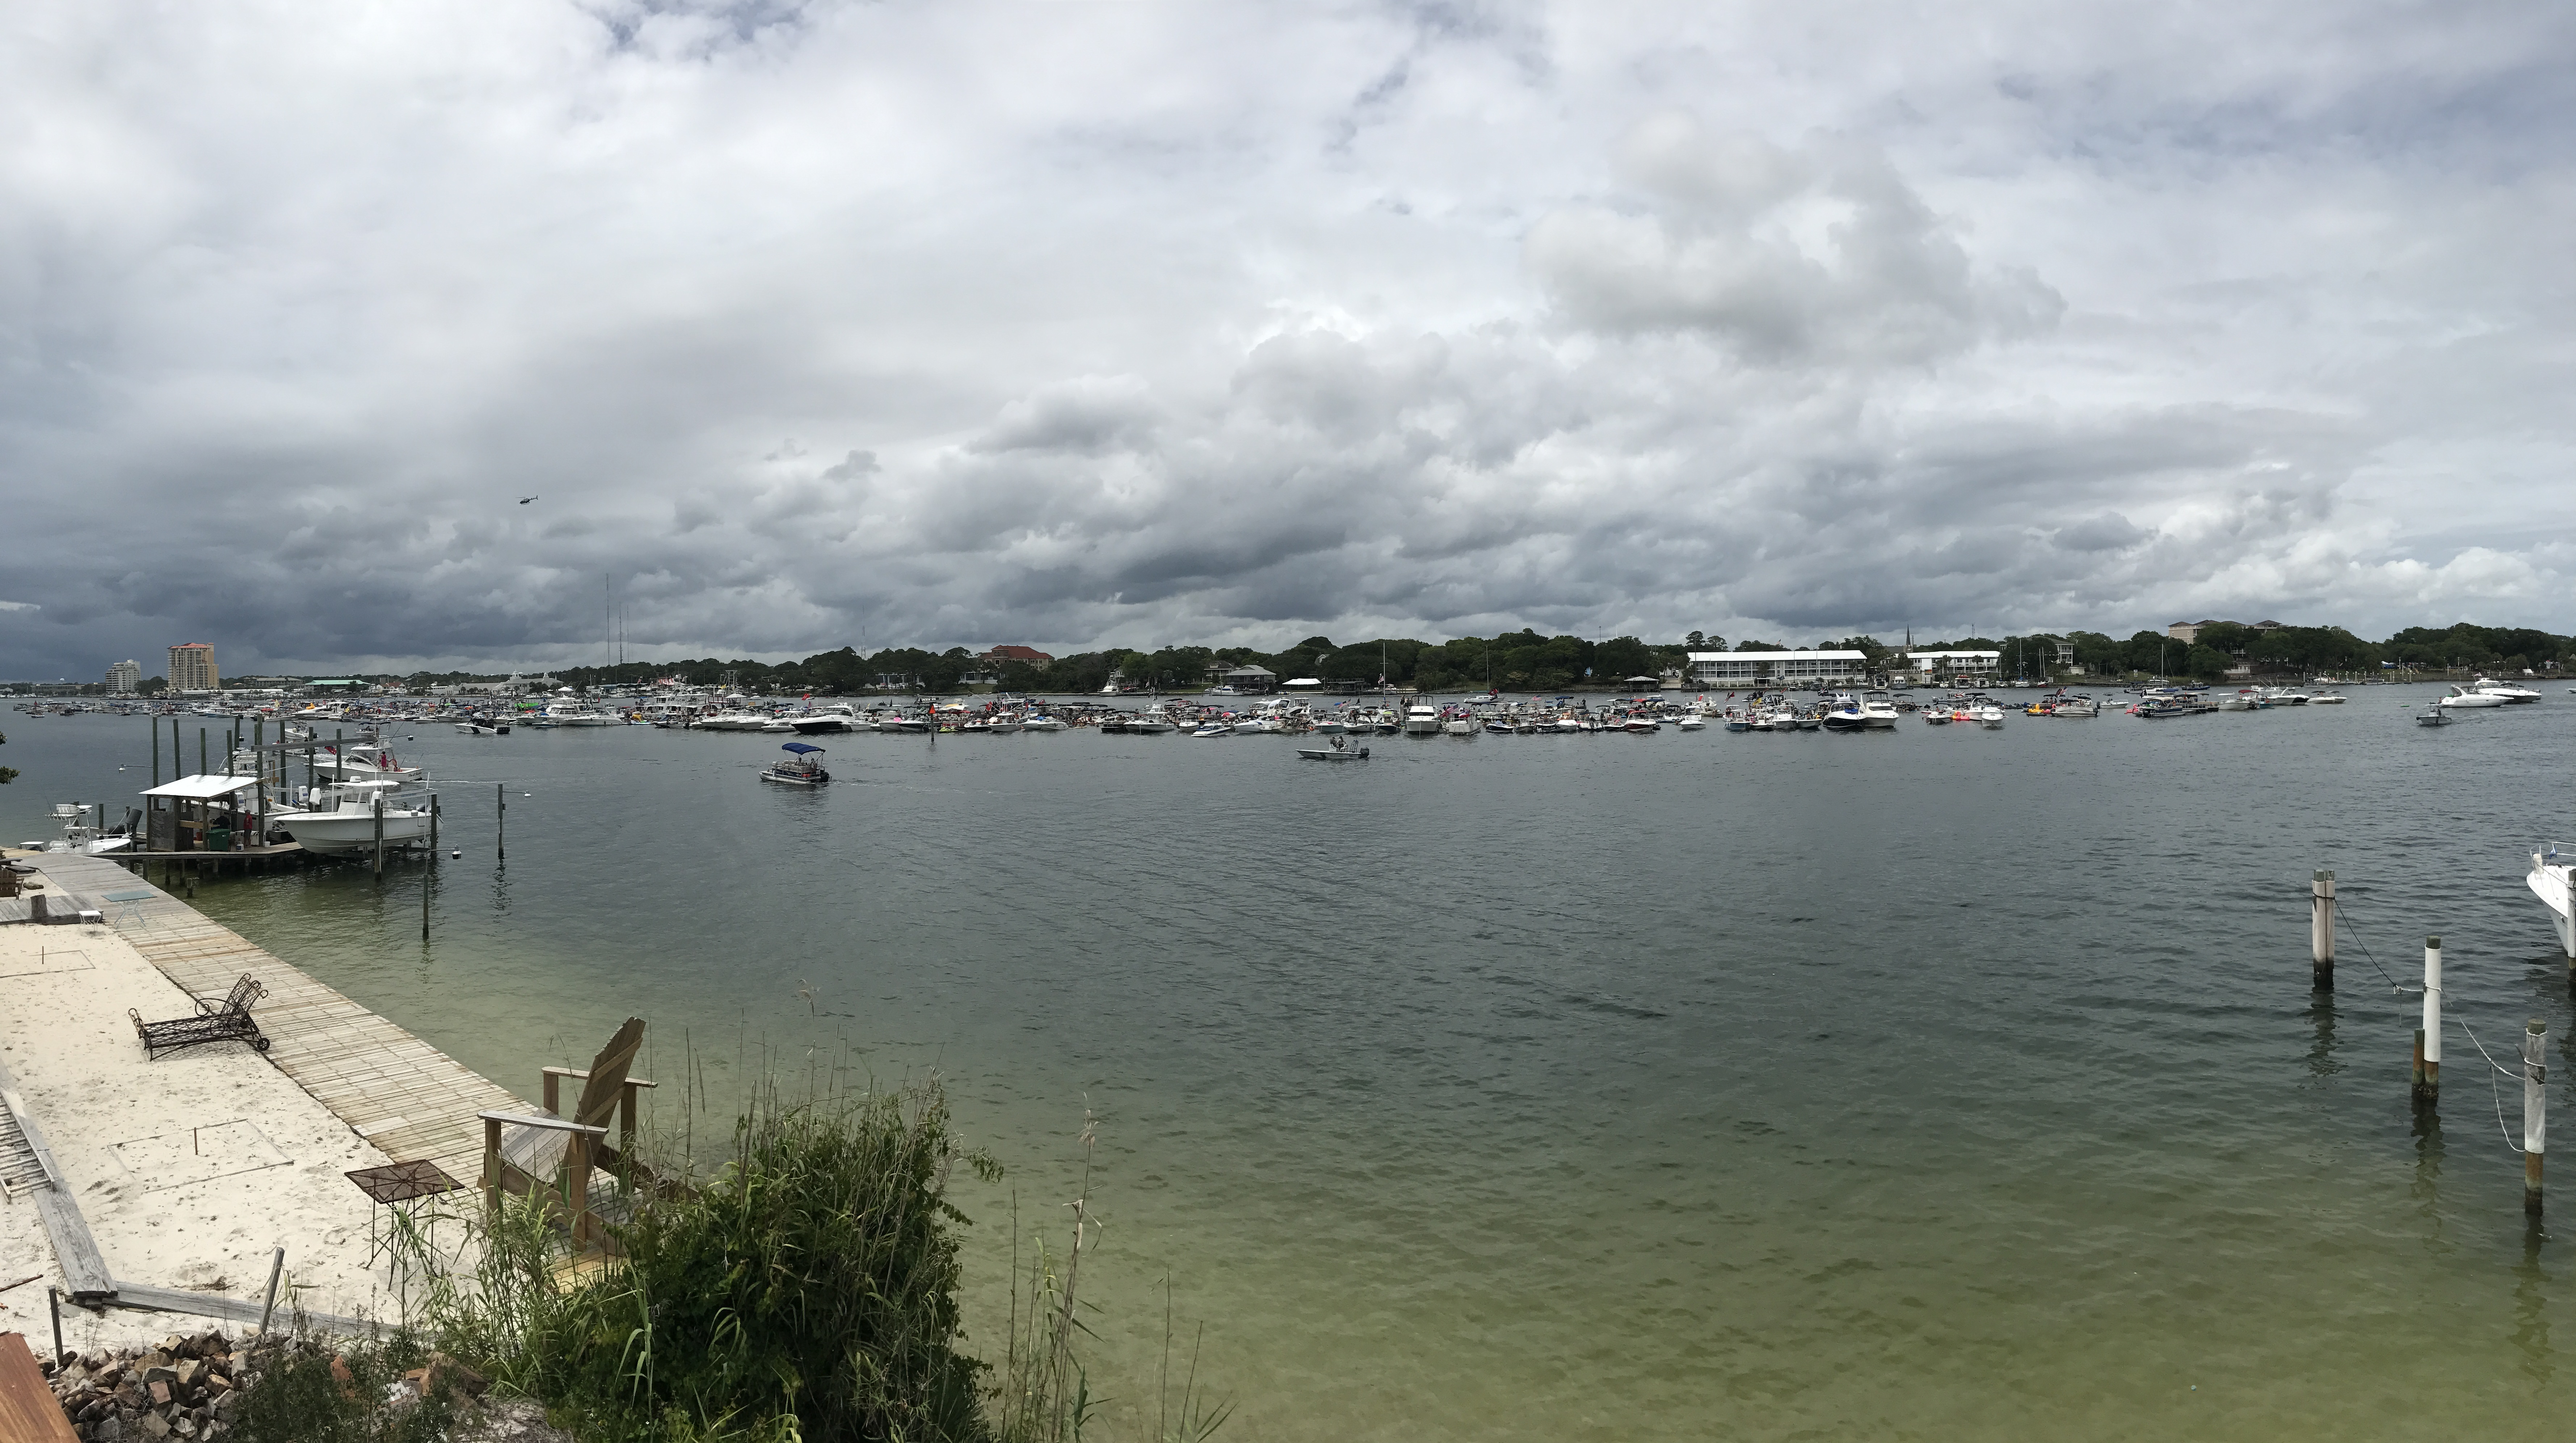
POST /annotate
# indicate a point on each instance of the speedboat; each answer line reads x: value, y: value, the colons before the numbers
x: 1936, y: 716
x: 343, y: 817
x: 803, y: 766
x: 1877, y: 710
x: 1042, y: 724
x: 2464, y: 699
x: 2325, y: 698
x: 2510, y: 691
x: 2236, y: 701
x: 1641, y: 726
x: 2434, y: 716
x: 1991, y: 717
x: 1692, y: 721
x: 2077, y: 706
x: 1215, y: 729
x: 477, y: 727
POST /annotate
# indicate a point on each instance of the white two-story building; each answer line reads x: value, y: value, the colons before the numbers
x: 1758, y: 669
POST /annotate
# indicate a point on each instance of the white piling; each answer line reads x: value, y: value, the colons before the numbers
x: 2428, y: 1038
x: 2321, y: 891
x: 2535, y: 1110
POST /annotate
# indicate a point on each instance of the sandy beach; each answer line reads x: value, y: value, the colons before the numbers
x: 190, y: 1168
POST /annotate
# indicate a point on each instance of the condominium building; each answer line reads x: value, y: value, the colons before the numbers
x: 1965, y: 665
x: 1784, y: 668
x: 192, y: 667
x: 124, y: 677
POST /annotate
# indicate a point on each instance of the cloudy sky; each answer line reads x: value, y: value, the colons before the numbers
x: 813, y: 324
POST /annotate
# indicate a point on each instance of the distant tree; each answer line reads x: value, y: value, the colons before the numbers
x: 2208, y: 663
x: 7, y: 774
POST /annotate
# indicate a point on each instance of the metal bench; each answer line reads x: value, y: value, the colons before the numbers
x: 214, y: 1022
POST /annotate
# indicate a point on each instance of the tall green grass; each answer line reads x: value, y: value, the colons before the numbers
x: 804, y: 1290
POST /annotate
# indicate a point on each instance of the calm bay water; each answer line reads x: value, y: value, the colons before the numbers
x: 1941, y: 1083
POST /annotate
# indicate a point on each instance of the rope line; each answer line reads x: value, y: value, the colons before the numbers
x: 2494, y: 1091
x: 2393, y: 984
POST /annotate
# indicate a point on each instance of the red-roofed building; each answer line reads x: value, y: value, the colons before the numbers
x: 1001, y: 654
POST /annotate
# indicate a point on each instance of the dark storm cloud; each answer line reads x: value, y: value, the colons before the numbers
x: 813, y: 324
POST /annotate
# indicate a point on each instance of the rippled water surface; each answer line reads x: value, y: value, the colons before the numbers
x: 1940, y: 1083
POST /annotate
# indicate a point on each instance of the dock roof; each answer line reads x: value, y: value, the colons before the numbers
x: 199, y: 788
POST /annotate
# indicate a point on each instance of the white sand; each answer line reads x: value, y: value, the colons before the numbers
x: 170, y: 1208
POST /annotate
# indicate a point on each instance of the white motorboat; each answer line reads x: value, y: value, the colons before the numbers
x: 477, y: 727
x: 80, y: 837
x: 1042, y: 724
x: 1877, y: 710
x: 1641, y: 726
x: 838, y: 717
x: 2079, y: 706
x: 1459, y: 726
x: 2512, y: 692
x: 2325, y: 698
x: 1421, y: 720
x: 1214, y: 729
x: 577, y: 714
x: 1990, y: 716
x: 803, y: 767
x: 2434, y: 716
x: 2236, y: 701
x: 343, y: 817
x: 1692, y: 721
x: 2461, y: 698
x: 2553, y: 880
x: 778, y: 724
x: 363, y: 762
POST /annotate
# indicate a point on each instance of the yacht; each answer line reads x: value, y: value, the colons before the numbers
x: 343, y: 817
x: 731, y: 719
x: 1421, y: 720
x: 579, y: 714
x: 838, y: 717
x: 2463, y: 698
x: 2510, y: 691
x: 1877, y: 710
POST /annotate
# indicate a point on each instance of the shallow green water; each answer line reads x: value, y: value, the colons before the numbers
x: 1944, y: 1083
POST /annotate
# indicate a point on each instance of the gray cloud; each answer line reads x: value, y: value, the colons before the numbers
x: 1240, y: 325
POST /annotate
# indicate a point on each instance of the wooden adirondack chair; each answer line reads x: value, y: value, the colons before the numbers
x: 549, y: 1151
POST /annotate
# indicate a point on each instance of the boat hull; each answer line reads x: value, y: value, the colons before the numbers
x: 351, y: 831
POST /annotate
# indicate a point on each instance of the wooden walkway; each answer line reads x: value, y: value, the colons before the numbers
x: 412, y: 1101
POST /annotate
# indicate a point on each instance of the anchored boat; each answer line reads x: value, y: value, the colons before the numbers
x: 802, y: 768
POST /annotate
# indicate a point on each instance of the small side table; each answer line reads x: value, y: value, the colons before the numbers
x: 395, y: 1184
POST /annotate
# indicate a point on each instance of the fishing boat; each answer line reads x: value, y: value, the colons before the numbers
x: 803, y: 766
x: 80, y: 837
x: 344, y: 816
x: 1338, y: 751
x: 2434, y: 717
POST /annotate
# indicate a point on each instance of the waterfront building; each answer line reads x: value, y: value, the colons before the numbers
x: 1252, y: 678
x: 1777, y: 668
x: 994, y: 658
x: 192, y: 667
x: 1966, y: 666
x: 124, y: 677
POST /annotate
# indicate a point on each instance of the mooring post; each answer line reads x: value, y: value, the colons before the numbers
x: 433, y: 828
x: 380, y: 836
x: 425, y: 874
x: 54, y: 1296
x: 2321, y: 892
x: 202, y: 768
x: 2428, y: 1038
x: 276, y: 1266
x: 156, y: 752
x: 2535, y: 1111
x: 501, y: 822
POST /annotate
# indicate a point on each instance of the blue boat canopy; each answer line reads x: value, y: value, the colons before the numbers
x: 800, y: 748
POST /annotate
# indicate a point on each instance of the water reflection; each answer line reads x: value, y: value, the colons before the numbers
x: 2321, y: 1046
x: 2531, y: 1307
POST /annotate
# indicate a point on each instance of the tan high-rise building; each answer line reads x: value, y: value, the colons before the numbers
x: 192, y: 667
x: 124, y: 677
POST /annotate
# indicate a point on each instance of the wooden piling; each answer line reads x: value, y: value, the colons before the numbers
x: 156, y: 751
x: 425, y: 874
x: 202, y: 768
x: 2428, y: 1038
x: 380, y: 836
x: 2535, y: 1110
x: 433, y: 828
x: 501, y: 822
x: 2321, y: 892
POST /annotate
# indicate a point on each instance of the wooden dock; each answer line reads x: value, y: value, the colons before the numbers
x: 412, y: 1101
